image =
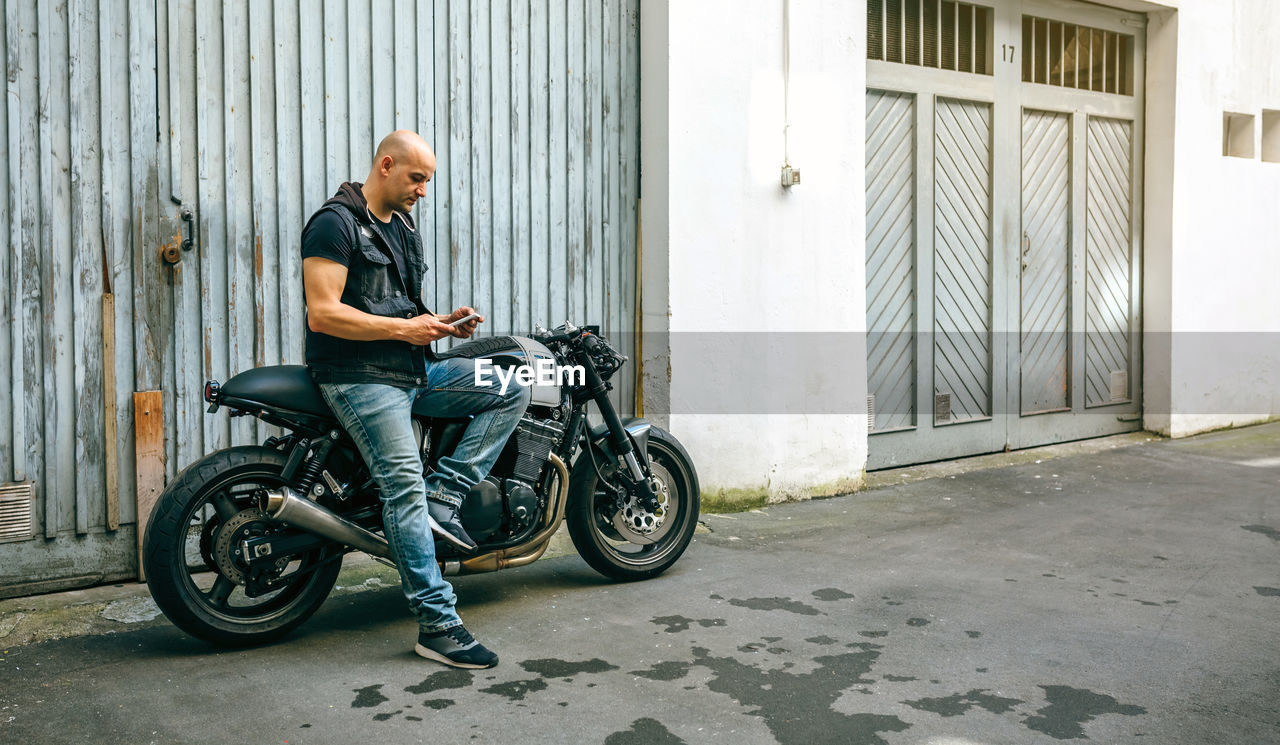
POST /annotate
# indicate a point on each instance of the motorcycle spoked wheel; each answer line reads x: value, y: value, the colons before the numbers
x: 633, y: 543
x: 192, y: 569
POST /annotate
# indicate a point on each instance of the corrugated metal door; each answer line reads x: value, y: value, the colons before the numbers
x: 532, y: 108
x: 1002, y: 243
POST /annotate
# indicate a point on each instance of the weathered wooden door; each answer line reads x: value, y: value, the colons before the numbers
x: 532, y: 109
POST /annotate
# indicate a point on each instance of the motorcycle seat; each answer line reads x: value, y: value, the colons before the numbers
x: 283, y: 386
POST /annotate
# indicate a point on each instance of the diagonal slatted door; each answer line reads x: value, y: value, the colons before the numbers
x: 891, y: 353
x: 962, y: 251
x: 1046, y: 261
x: 1108, y: 261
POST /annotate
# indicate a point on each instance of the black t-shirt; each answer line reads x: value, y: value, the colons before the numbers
x: 327, y: 237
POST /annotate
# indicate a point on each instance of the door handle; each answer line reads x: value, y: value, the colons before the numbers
x: 1026, y: 249
x: 170, y: 252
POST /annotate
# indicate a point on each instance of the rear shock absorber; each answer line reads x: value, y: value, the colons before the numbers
x: 313, y: 466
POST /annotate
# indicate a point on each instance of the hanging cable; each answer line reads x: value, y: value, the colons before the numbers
x: 790, y: 176
x: 786, y: 81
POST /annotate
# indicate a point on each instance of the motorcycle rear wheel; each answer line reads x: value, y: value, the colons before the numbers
x: 634, y: 543
x: 188, y: 561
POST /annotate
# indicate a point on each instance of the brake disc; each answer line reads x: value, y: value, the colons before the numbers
x: 232, y: 563
x: 637, y: 524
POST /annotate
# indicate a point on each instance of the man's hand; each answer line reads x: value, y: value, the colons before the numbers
x: 425, y: 329
x: 462, y: 330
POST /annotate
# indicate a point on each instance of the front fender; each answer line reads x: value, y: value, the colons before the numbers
x: 635, y: 426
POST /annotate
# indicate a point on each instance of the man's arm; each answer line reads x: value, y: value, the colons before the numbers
x: 323, y: 281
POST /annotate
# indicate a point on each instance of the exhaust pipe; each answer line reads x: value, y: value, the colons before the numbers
x: 287, y: 507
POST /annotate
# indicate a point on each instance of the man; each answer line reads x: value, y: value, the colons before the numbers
x: 369, y: 347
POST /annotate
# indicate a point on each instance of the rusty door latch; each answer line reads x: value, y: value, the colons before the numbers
x: 173, y: 254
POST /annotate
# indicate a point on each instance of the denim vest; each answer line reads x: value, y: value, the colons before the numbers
x: 374, y: 285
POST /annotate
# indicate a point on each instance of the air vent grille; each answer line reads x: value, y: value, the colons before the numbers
x: 1072, y: 56
x: 930, y: 33
x: 15, y: 512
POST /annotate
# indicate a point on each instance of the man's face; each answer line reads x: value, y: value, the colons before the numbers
x: 407, y: 179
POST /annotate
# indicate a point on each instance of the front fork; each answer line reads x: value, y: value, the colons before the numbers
x: 633, y: 466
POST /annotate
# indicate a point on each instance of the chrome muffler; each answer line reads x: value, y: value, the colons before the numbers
x: 286, y: 506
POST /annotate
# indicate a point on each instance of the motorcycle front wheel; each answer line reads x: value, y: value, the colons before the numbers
x: 618, y: 535
x: 192, y: 555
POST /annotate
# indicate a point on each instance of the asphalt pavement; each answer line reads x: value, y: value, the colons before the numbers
x: 1130, y: 594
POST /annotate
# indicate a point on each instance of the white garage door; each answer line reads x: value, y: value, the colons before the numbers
x: 1003, y: 240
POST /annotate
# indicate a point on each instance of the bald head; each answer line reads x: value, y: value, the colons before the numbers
x: 401, y: 144
x: 402, y: 166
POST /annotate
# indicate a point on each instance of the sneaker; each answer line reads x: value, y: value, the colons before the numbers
x: 455, y: 648
x: 444, y: 522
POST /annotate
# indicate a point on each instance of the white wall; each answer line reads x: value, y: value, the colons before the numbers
x: 727, y: 251
x: 1212, y: 318
x: 742, y: 255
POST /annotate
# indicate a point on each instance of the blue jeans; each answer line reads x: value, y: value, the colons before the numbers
x: 377, y: 416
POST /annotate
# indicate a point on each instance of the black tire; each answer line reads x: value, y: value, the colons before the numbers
x: 613, y: 552
x: 192, y: 508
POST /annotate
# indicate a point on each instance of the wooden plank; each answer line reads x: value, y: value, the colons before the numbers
x: 8, y: 314
x: 148, y: 443
x: 575, y: 224
x: 521, y: 178
x: 593, y: 228
x: 293, y: 96
x: 629, y: 199
x: 238, y: 196
x: 337, y: 153
x: 265, y: 205
x: 479, y: 283
x: 112, y: 491
x: 164, y: 151
x: 460, y: 172
x: 116, y: 201
x: 405, y: 64
x: 87, y: 264
x: 152, y: 221
x: 441, y: 290
x: 379, y: 69
x: 212, y: 223
x: 612, y: 261
x: 501, y: 139
x: 56, y: 267
x: 558, y: 158
x: 172, y: 52
x: 14, y: 188
x: 539, y: 164
x: 188, y: 405
x: 424, y: 72
x: 28, y: 380
x: 360, y: 82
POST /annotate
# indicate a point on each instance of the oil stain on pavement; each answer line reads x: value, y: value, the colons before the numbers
x: 1266, y: 530
x: 960, y: 703
x: 644, y: 731
x: 1069, y: 708
x: 786, y: 604
x: 801, y: 699
x: 676, y: 624
x: 796, y: 707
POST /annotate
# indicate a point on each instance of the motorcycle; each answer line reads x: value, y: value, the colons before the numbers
x: 247, y: 542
